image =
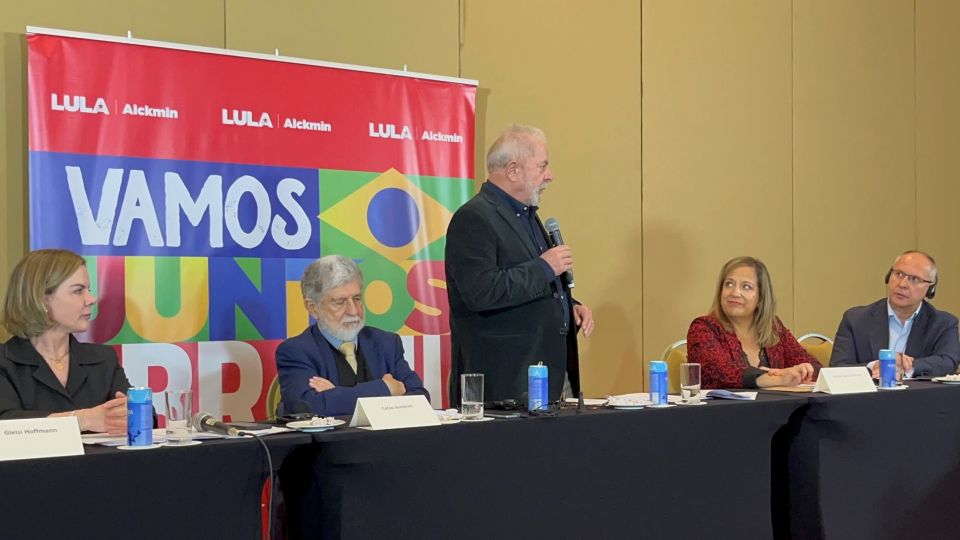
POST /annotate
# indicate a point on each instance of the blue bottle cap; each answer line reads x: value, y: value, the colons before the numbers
x: 658, y: 366
x: 139, y: 394
x: 538, y: 370
x: 887, y: 354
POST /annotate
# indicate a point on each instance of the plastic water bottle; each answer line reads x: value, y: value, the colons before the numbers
x: 888, y: 368
x: 538, y: 387
x: 658, y: 382
x: 139, y: 417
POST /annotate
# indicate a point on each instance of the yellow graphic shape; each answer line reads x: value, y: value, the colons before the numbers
x: 378, y: 297
x: 350, y: 216
x: 297, y: 316
x: 140, y: 277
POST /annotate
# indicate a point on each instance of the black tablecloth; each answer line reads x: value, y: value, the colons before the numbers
x: 682, y: 472
x: 209, y: 491
x: 878, y: 465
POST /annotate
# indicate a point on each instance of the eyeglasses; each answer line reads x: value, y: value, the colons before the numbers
x: 341, y: 303
x: 914, y: 281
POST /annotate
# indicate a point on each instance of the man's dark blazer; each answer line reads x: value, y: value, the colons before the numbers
x: 310, y: 355
x: 934, y: 343
x: 504, y: 312
x: 29, y: 388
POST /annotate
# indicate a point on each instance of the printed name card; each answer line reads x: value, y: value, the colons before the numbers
x: 844, y: 380
x: 29, y: 438
x: 393, y: 412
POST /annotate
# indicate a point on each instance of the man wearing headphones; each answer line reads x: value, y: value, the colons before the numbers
x: 925, y: 339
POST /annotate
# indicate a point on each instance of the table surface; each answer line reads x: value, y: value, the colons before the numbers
x: 876, y: 465
x: 598, y: 474
x: 212, y: 490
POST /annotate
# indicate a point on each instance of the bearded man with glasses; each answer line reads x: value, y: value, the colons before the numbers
x: 925, y: 339
x: 339, y: 359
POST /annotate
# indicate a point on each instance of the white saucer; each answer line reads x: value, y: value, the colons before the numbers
x: 473, y: 421
x: 685, y: 404
x: 901, y: 387
x: 128, y: 447
x: 628, y: 407
x: 943, y: 380
x: 308, y: 426
x: 663, y: 406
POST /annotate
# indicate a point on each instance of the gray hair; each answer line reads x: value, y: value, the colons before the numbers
x: 516, y: 143
x: 328, y: 272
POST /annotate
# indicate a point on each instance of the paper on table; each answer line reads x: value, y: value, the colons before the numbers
x: 805, y: 387
x: 160, y: 435
x: 643, y: 396
x: 727, y: 394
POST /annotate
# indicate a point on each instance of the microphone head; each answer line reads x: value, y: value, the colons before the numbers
x: 552, y: 225
x: 199, y: 419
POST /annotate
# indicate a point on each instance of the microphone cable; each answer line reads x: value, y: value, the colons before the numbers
x: 266, y: 451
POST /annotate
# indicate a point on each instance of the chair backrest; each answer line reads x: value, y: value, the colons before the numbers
x: 819, y: 346
x: 674, y: 355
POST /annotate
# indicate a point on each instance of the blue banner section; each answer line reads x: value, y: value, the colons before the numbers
x: 105, y: 205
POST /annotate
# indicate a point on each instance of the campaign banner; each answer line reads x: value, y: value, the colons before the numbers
x: 200, y: 183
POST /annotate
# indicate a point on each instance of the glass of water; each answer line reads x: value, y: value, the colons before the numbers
x: 179, y: 411
x: 690, y: 383
x: 471, y: 396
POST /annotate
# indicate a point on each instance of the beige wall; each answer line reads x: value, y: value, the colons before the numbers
x: 854, y: 157
x: 576, y: 74
x: 818, y: 135
x: 716, y: 155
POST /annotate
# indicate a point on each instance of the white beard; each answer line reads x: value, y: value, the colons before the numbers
x: 344, y: 333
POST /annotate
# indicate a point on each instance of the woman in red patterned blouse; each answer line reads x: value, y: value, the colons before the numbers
x: 742, y: 343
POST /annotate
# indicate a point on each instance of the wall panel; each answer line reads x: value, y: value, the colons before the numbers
x: 424, y: 35
x: 716, y: 154
x: 854, y: 188
x: 573, y: 69
x: 938, y: 141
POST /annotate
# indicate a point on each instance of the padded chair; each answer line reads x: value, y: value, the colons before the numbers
x: 674, y: 355
x: 819, y: 346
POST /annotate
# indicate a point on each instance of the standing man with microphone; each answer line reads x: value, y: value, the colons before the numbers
x: 508, y: 281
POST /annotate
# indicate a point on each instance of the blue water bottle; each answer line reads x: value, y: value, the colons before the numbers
x: 658, y: 382
x: 537, y: 387
x: 139, y: 417
x: 888, y: 368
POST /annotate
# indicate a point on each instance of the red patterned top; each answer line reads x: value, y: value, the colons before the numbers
x: 723, y: 362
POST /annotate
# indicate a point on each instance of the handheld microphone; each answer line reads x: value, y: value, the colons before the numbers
x: 553, y: 230
x: 206, y: 422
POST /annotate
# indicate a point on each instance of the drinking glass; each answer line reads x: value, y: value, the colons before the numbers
x: 690, y: 383
x: 179, y: 411
x: 471, y: 396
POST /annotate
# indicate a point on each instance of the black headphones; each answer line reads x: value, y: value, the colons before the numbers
x: 931, y: 291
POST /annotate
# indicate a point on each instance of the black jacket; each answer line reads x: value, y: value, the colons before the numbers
x: 933, y: 343
x: 504, y: 312
x: 29, y: 388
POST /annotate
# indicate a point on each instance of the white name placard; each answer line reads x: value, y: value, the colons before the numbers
x: 29, y: 438
x: 393, y: 412
x: 844, y: 380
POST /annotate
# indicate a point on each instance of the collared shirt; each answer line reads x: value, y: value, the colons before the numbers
x: 528, y: 221
x: 900, y: 331
x: 334, y: 341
